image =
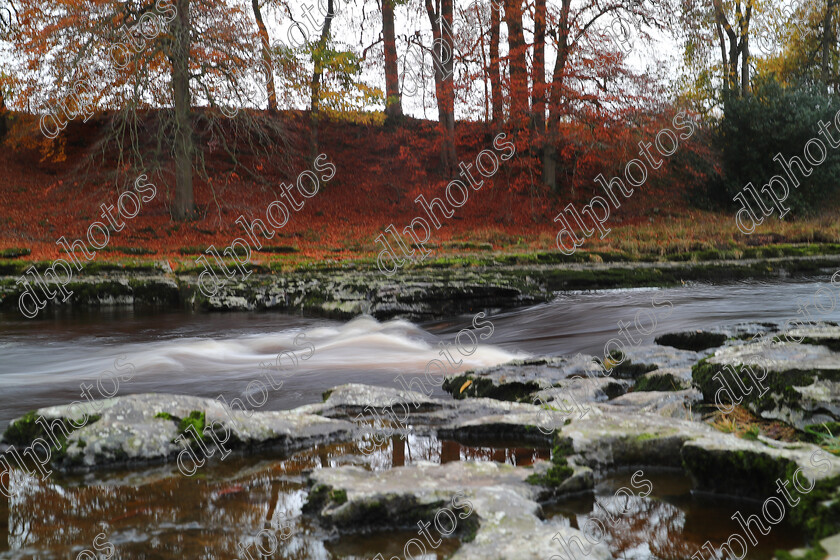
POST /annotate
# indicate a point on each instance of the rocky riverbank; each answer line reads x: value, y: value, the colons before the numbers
x: 440, y: 289
x: 594, y: 421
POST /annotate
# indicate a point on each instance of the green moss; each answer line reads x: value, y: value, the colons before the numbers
x: 468, y: 529
x: 661, y: 382
x: 815, y: 553
x: 694, y: 341
x: 818, y: 513
x: 780, y: 385
x: 629, y: 370
x: 197, y: 420
x: 559, y: 471
x: 316, y: 499
x: 167, y: 416
x: 23, y: 431
x: 326, y: 395
x: 339, y: 496
x: 26, y: 429
x: 154, y: 293
x: 483, y: 387
x: 747, y: 473
x: 645, y: 436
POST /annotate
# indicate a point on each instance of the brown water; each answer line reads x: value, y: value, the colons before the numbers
x: 670, y: 523
x: 158, y: 513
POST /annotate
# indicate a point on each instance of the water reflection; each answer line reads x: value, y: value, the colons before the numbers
x: 159, y: 514
x: 669, y: 524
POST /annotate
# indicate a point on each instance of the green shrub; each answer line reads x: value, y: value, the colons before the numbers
x: 776, y: 120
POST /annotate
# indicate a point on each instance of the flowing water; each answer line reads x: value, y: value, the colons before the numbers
x: 158, y: 514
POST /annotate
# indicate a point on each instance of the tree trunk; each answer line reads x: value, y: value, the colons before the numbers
x: 317, y: 73
x: 744, y: 28
x: 184, y: 202
x: 481, y: 35
x: 731, y: 81
x: 495, y: 79
x: 3, y: 127
x: 393, y: 103
x: 444, y: 90
x: 827, y: 42
x: 538, y: 78
x: 517, y: 60
x: 266, y: 56
x: 724, y: 59
x: 745, y: 65
x: 447, y: 7
x: 733, y: 66
x: 552, y: 135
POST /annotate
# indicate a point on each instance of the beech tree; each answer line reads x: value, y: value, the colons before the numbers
x: 572, y: 31
x: 811, y: 51
x: 443, y: 55
x: 267, y: 60
x: 127, y: 56
x: 517, y: 61
x: 734, y: 41
x: 495, y: 77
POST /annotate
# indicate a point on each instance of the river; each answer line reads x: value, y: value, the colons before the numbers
x: 45, y: 362
x: 156, y: 513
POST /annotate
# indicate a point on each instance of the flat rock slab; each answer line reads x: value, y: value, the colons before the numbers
x: 129, y: 431
x: 676, y: 361
x: 608, y: 436
x: 521, y: 380
x: 570, y: 393
x: 524, y: 379
x: 672, y: 404
x: 352, y: 398
x: 502, y: 503
x: 796, y: 383
x: 419, y: 413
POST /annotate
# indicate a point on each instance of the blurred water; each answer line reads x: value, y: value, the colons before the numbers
x: 43, y: 362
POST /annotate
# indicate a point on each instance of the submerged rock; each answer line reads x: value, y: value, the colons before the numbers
x: 695, y: 341
x: 496, y: 510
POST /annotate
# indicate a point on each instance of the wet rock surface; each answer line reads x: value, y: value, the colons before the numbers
x: 130, y: 429
x: 777, y: 377
x: 454, y: 285
x: 646, y: 415
x: 675, y: 404
x: 695, y: 341
x: 496, y: 505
